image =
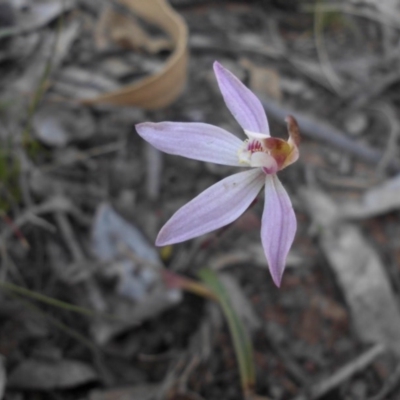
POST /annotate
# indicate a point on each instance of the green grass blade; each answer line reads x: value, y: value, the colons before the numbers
x: 240, y: 337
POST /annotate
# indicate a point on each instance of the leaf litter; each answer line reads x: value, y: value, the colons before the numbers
x: 91, y: 198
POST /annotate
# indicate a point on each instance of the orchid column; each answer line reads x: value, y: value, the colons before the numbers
x: 228, y: 199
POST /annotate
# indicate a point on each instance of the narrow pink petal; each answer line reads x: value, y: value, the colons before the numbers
x: 241, y: 101
x: 278, y: 226
x: 199, y: 141
x: 217, y: 206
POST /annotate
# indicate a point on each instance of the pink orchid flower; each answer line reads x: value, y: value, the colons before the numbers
x: 228, y: 199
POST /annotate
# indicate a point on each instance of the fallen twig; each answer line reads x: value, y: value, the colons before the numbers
x: 348, y: 370
x: 79, y: 258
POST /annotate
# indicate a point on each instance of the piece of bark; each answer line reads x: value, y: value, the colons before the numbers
x: 359, y: 272
x: 378, y: 200
x: 343, y: 374
x: 35, y: 374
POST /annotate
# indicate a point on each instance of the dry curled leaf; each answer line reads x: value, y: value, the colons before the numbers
x: 162, y: 88
x: 128, y: 33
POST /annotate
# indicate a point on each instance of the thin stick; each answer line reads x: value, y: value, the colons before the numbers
x: 21, y: 291
x: 343, y: 374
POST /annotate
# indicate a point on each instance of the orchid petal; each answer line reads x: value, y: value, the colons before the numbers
x: 278, y: 226
x: 194, y: 140
x: 241, y: 101
x: 261, y: 159
x: 292, y: 157
x: 217, y: 206
x: 293, y: 129
x: 294, y: 141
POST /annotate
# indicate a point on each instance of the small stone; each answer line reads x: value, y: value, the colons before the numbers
x: 127, y: 199
x: 333, y: 157
x: 356, y: 123
x: 56, y: 126
x: 293, y: 87
x: 358, y: 390
x: 126, y: 174
x: 345, y: 164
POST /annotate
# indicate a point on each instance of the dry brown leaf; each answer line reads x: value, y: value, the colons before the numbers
x: 127, y: 32
x: 161, y: 89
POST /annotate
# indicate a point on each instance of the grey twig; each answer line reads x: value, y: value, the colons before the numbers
x: 347, y: 371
